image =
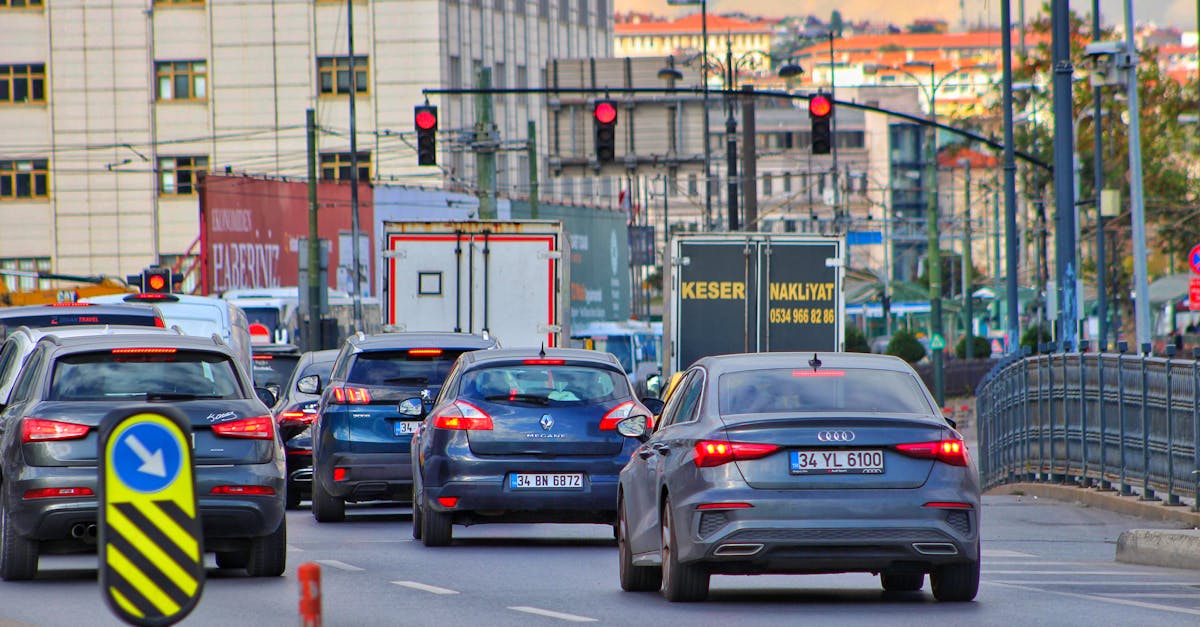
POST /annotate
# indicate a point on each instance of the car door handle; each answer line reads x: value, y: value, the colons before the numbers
x: 645, y: 453
x: 660, y: 448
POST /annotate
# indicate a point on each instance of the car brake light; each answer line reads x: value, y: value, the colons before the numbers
x: 462, y: 416
x: 73, y: 304
x: 949, y: 505
x: 297, y: 416
x: 623, y: 411
x: 339, y: 474
x: 150, y: 350
x: 424, y: 352
x: 818, y: 373
x: 714, y: 453
x: 718, y: 506
x: 351, y: 395
x: 244, y: 490
x: 39, y: 430
x: 255, y: 428
x: 263, y: 357
x: 448, y: 501
x: 48, y: 493
x: 544, y: 362
x: 951, y: 451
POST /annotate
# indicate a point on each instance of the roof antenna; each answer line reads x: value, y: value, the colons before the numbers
x: 542, y: 351
x: 814, y: 362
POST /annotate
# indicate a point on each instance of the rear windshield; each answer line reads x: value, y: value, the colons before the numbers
x: 402, y: 367
x: 110, y: 375
x: 804, y: 390
x: 320, y: 368
x: 147, y: 319
x: 275, y: 369
x: 546, y: 384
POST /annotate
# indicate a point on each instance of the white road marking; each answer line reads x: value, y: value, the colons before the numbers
x: 551, y: 614
x: 294, y: 549
x: 1061, y: 582
x: 1004, y: 553
x: 416, y: 585
x: 350, y: 568
x: 1069, y: 572
x: 1152, y: 595
x: 1105, y: 599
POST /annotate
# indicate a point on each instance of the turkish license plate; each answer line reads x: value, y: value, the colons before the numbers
x: 836, y: 462
x: 546, y: 480
x: 407, y: 427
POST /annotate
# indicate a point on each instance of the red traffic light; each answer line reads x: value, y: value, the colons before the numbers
x: 426, y: 119
x: 820, y: 106
x: 605, y: 112
x: 156, y: 282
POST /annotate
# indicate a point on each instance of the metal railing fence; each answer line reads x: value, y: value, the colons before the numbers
x: 1118, y: 421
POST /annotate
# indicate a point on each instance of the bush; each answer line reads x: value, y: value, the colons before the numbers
x: 982, y: 348
x: 1035, y: 335
x: 856, y: 342
x: 906, y: 346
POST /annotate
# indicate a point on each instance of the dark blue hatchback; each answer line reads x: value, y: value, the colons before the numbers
x: 360, y: 439
x: 522, y: 435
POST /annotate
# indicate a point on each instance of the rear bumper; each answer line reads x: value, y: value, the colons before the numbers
x: 369, y: 476
x: 827, y: 531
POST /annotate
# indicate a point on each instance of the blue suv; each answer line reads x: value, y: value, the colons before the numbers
x: 360, y: 438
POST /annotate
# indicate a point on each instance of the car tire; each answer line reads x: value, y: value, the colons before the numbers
x: 232, y: 559
x: 902, y: 582
x: 268, y: 554
x: 955, y: 582
x: 18, y: 555
x: 681, y: 582
x: 293, y: 496
x: 417, y: 515
x: 633, y: 578
x: 437, y: 528
x: 325, y: 506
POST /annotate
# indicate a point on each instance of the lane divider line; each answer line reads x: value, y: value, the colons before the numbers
x: 424, y: 587
x: 1104, y: 599
x: 552, y: 614
x: 350, y: 568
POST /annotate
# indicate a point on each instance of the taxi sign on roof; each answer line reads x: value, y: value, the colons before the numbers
x: 151, y: 552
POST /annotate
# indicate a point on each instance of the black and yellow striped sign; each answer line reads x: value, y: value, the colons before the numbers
x: 151, y: 550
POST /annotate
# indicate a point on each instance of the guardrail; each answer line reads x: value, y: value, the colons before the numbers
x: 1118, y: 421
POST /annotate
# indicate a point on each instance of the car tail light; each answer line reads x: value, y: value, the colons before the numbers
x: 39, y: 430
x: 719, y: 506
x: 351, y: 395
x: 339, y: 474
x: 951, y: 451
x: 949, y: 505
x: 150, y: 350
x: 297, y: 416
x: 448, y: 501
x: 256, y: 428
x: 424, y: 352
x: 158, y: 322
x: 544, y: 362
x: 49, y: 493
x: 461, y: 415
x: 243, y: 490
x: 714, y: 453
x: 623, y: 411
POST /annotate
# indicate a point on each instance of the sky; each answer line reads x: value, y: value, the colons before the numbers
x: 1181, y: 13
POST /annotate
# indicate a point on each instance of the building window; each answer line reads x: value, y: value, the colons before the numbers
x: 564, y: 11
x: 693, y: 187
x: 27, y: 178
x: 523, y: 83
x: 23, y: 83
x: 335, y: 166
x: 544, y: 9
x: 581, y: 15
x: 179, y: 176
x: 787, y: 182
x: 768, y: 185
x: 28, y: 264
x: 179, y: 2
x: 851, y: 139
x: 333, y: 74
x: 454, y: 71
x: 20, y: 4
x: 182, y: 80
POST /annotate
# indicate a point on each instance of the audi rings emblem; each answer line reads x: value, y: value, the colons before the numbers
x: 836, y: 436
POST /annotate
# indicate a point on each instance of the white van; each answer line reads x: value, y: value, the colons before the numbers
x: 197, y: 315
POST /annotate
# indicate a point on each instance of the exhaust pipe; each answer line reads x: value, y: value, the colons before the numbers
x: 78, y: 530
x: 935, y: 548
x: 737, y: 550
x: 89, y: 534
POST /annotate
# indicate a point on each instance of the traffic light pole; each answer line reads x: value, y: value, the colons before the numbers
x: 485, y: 152
x: 312, y: 335
x: 749, y: 160
x: 934, y: 255
x: 533, y: 169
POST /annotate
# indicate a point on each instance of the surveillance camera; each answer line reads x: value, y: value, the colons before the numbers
x: 1104, y: 48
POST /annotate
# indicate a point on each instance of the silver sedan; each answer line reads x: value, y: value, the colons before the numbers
x: 791, y: 463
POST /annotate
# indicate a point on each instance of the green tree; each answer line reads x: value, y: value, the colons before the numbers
x: 1035, y: 335
x: 856, y: 342
x: 982, y: 347
x: 836, y: 23
x: 906, y: 346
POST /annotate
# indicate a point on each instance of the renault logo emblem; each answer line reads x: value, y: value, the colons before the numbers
x: 836, y: 436
x: 547, y: 422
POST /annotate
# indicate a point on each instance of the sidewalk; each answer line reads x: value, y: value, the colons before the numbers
x: 1171, y: 548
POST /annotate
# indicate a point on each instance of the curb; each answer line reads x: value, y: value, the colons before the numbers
x: 1160, y: 547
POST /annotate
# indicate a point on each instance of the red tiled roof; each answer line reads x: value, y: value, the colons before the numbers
x: 917, y: 41
x: 691, y: 25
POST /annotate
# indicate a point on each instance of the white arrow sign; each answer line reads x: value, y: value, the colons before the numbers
x: 152, y: 464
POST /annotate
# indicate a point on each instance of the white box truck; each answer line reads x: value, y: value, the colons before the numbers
x: 504, y: 278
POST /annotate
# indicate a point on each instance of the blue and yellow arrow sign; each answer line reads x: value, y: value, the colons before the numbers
x: 151, y: 551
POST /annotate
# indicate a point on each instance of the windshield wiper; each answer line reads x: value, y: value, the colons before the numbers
x: 178, y: 396
x: 525, y: 398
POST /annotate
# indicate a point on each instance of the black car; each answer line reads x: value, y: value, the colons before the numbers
x: 361, y: 440
x: 273, y: 365
x: 50, y: 433
x: 295, y: 412
x: 523, y: 435
x: 70, y: 314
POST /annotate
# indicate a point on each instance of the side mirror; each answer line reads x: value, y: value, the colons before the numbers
x: 653, y: 385
x: 634, y: 427
x: 274, y: 387
x: 411, y: 407
x: 654, y: 405
x: 266, y: 396
x: 310, y: 384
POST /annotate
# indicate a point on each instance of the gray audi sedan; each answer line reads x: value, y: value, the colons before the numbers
x: 790, y: 463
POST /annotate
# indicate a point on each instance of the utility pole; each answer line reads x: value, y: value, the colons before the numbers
x: 934, y: 256
x: 485, y: 148
x: 749, y: 160
x: 1141, y: 286
x: 1010, y: 179
x: 1097, y: 191
x: 833, y: 137
x: 730, y: 140
x: 356, y: 265
x: 967, y: 278
x: 312, y: 334
x: 1066, y: 273
x: 531, y: 152
x: 708, y: 175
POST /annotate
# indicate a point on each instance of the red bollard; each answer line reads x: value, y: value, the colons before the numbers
x: 310, y: 594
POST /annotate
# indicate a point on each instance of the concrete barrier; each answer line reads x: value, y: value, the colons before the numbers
x: 1172, y: 548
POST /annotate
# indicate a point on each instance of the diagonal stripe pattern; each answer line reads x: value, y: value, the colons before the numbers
x: 153, y: 557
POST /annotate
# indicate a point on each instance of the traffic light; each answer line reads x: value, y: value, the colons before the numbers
x: 155, y: 280
x: 426, y: 121
x: 820, y: 112
x: 604, y: 118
